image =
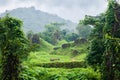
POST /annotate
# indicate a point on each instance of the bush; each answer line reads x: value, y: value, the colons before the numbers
x: 66, y: 45
x: 38, y: 73
x: 61, y: 65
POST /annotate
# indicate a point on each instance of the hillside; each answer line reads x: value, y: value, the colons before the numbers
x: 35, y: 20
x: 65, y: 53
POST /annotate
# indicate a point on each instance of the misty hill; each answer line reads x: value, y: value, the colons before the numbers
x: 35, y: 20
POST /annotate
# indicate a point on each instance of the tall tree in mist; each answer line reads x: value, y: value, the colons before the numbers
x: 13, y: 46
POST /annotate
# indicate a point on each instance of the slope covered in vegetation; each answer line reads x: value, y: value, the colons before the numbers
x: 69, y: 53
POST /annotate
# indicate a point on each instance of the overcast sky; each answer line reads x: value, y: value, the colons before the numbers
x: 73, y: 10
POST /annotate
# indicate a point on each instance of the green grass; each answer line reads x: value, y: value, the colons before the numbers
x: 61, y: 42
x: 45, y: 46
x: 80, y: 57
x: 37, y: 58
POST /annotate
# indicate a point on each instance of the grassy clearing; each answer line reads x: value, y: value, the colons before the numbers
x: 38, y: 58
x: 43, y: 57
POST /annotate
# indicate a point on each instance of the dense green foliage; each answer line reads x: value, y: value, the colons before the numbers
x: 37, y: 73
x: 13, y: 46
x: 105, y: 41
x: 67, y: 65
x: 111, y: 63
x: 53, y: 33
x: 96, y: 38
x: 71, y: 37
x: 68, y: 58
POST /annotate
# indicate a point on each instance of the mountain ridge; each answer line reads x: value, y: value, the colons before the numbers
x: 35, y: 20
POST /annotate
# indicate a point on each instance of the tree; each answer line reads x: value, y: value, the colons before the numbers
x: 64, y: 33
x: 105, y: 44
x: 95, y: 56
x: 111, y: 63
x: 13, y: 47
x: 35, y: 39
x: 83, y: 30
x: 52, y: 33
x: 71, y: 37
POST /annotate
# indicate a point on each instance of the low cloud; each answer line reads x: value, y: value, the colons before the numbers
x: 4, y: 2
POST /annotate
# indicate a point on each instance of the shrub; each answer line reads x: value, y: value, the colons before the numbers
x: 38, y: 73
x: 61, y: 65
